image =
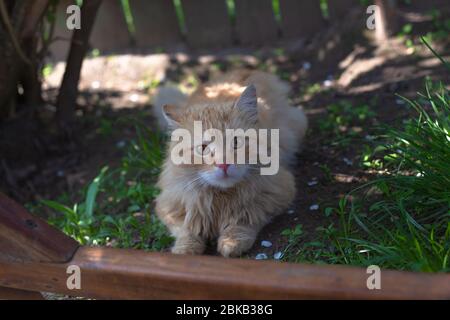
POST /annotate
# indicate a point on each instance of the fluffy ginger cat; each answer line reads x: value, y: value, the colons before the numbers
x: 229, y: 203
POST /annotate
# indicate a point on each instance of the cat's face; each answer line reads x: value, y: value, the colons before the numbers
x: 219, y: 172
x: 210, y: 163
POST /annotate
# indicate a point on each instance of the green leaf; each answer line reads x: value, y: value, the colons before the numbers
x: 92, y: 192
x: 58, y: 207
x: 328, y: 211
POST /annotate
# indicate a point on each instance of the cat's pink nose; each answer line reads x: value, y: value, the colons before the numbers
x: 223, y: 166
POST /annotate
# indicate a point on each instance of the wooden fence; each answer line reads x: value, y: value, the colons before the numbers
x: 208, y: 23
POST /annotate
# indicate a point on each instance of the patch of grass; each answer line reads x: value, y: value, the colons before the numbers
x: 276, y: 10
x: 312, y: 90
x: 369, y: 157
x: 231, y: 9
x: 439, y: 31
x: 105, y: 127
x: 324, y: 9
x: 344, y: 121
x: 94, y: 53
x: 149, y: 84
x: 441, y: 27
x: 406, y: 35
x: 400, y: 220
x: 116, y: 207
x: 326, y: 172
x: 293, y: 236
x: 189, y: 83
x: 47, y: 69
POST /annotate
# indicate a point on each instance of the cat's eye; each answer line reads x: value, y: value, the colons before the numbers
x: 202, y: 149
x: 238, y: 142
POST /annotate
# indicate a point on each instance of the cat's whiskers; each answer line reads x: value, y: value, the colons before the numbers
x: 193, y: 183
x: 196, y: 182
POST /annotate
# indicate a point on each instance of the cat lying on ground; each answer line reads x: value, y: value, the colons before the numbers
x: 223, y: 201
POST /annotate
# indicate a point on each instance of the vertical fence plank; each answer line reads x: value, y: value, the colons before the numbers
x: 339, y: 8
x: 110, y: 29
x: 255, y: 21
x: 207, y: 23
x: 300, y: 18
x: 59, y: 48
x: 155, y: 22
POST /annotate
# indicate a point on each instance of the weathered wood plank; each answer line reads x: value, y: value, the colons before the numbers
x: 207, y: 23
x: 255, y: 22
x: 24, y: 237
x: 134, y: 274
x: 110, y: 30
x: 337, y: 9
x: 17, y: 294
x: 155, y: 22
x: 300, y: 18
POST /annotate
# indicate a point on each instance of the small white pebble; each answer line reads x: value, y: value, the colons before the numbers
x: 312, y: 183
x: 314, y: 207
x: 278, y: 255
x: 266, y: 244
x: 348, y: 161
x: 290, y: 211
x: 120, y: 144
x: 306, y: 65
x: 261, y: 256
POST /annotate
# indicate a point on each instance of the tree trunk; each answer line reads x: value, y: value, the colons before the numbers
x: 30, y: 76
x: 9, y: 62
x: 19, y: 21
x: 69, y: 87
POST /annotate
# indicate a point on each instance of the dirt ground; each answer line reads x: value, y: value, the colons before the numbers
x: 35, y: 165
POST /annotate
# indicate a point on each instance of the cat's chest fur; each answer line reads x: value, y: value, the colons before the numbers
x: 210, y: 211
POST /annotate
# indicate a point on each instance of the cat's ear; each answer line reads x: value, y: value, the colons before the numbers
x: 247, y: 103
x: 172, y: 115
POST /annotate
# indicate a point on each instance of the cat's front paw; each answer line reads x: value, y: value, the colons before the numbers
x: 235, y: 240
x: 188, y: 245
x: 229, y: 247
x: 228, y: 250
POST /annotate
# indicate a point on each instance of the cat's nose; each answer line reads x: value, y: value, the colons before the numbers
x: 223, y: 166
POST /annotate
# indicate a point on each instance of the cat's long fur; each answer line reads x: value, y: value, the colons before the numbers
x: 195, y: 211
